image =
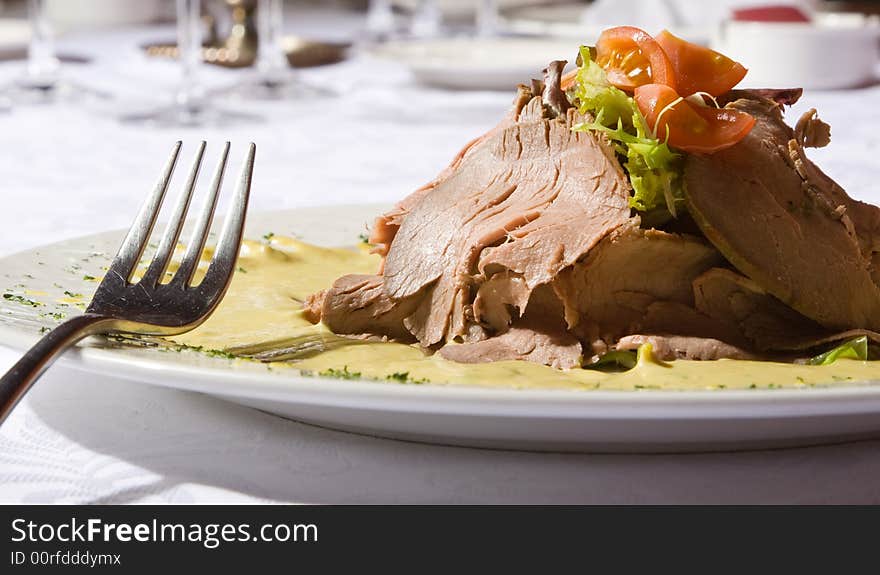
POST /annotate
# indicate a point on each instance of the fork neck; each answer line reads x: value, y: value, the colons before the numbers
x: 23, y: 374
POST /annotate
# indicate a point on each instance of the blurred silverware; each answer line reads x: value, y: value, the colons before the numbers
x: 238, y: 48
x: 301, y: 53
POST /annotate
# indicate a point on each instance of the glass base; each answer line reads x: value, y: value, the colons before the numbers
x: 32, y: 91
x: 176, y: 115
x: 286, y: 85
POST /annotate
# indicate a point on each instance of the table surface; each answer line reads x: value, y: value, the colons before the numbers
x: 70, y: 170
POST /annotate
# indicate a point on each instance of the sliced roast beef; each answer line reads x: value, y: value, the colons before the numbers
x: 525, y: 248
x: 357, y: 304
x: 529, y: 200
x: 787, y: 226
x: 609, y: 293
x: 768, y: 324
x: 528, y: 339
x: 670, y: 347
x: 385, y: 226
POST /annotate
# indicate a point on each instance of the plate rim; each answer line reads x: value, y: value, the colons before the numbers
x: 849, y: 398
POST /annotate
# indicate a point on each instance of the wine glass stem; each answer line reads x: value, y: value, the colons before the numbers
x: 380, y: 18
x: 271, y: 58
x: 487, y: 18
x: 427, y: 19
x: 42, y: 64
x: 189, y: 46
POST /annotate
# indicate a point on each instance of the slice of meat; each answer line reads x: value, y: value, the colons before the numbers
x: 500, y: 300
x: 666, y: 317
x: 731, y: 298
x: 357, y: 304
x: 670, y: 347
x: 784, y: 96
x: 385, y: 226
x: 611, y: 290
x: 530, y: 199
x: 734, y: 300
x: 787, y: 226
x: 528, y: 342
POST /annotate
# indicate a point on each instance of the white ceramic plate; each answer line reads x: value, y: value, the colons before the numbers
x: 475, y: 63
x: 643, y: 420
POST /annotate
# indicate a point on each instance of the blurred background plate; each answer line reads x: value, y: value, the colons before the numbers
x: 477, y: 64
x: 575, y: 20
x: 463, y: 10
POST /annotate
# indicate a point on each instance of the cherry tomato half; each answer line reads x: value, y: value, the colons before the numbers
x: 688, y: 127
x: 699, y: 69
x: 632, y: 58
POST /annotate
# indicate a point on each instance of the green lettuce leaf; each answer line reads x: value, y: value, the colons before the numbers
x: 654, y: 169
x: 853, y: 349
x: 615, y: 361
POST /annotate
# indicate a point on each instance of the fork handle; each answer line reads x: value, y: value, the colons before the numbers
x: 19, y: 379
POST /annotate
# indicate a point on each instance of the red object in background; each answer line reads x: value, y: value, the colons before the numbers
x: 772, y: 13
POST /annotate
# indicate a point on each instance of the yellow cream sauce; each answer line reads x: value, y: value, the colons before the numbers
x: 263, y: 309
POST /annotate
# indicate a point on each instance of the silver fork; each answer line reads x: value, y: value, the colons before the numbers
x: 150, y: 306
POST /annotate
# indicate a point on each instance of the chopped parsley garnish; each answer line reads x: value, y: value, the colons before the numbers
x: 57, y: 315
x: 364, y: 238
x: 89, y: 278
x: 340, y: 373
x: 69, y: 293
x: 21, y: 299
x: 403, y: 377
x: 268, y: 237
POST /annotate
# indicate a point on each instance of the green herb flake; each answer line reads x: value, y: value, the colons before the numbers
x: 56, y: 315
x: 69, y: 293
x: 403, y: 377
x: 21, y: 299
x: 268, y: 237
x: 340, y: 373
x: 241, y: 270
x: 89, y: 278
x: 364, y: 238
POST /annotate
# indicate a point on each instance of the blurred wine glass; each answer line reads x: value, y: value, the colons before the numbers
x: 273, y: 78
x: 488, y: 18
x: 381, y: 24
x: 42, y: 81
x: 190, y: 105
x: 427, y: 20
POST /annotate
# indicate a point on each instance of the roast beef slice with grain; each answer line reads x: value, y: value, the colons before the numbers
x: 358, y: 305
x: 787, y: 226
x: 769, y: 325
x: 529, y: 200
x: 611, y: 292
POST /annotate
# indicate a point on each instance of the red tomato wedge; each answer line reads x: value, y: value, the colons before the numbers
x: 699, y: 69
x: 688, y: 127
x: 632, y: 58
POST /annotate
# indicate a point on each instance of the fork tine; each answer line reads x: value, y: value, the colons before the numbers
x: 228, y: 246
x: 175, y: 224
x: 199, y: 234
x: 136, y: 240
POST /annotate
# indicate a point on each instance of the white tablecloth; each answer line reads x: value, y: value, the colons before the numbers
x: 73, y: 170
